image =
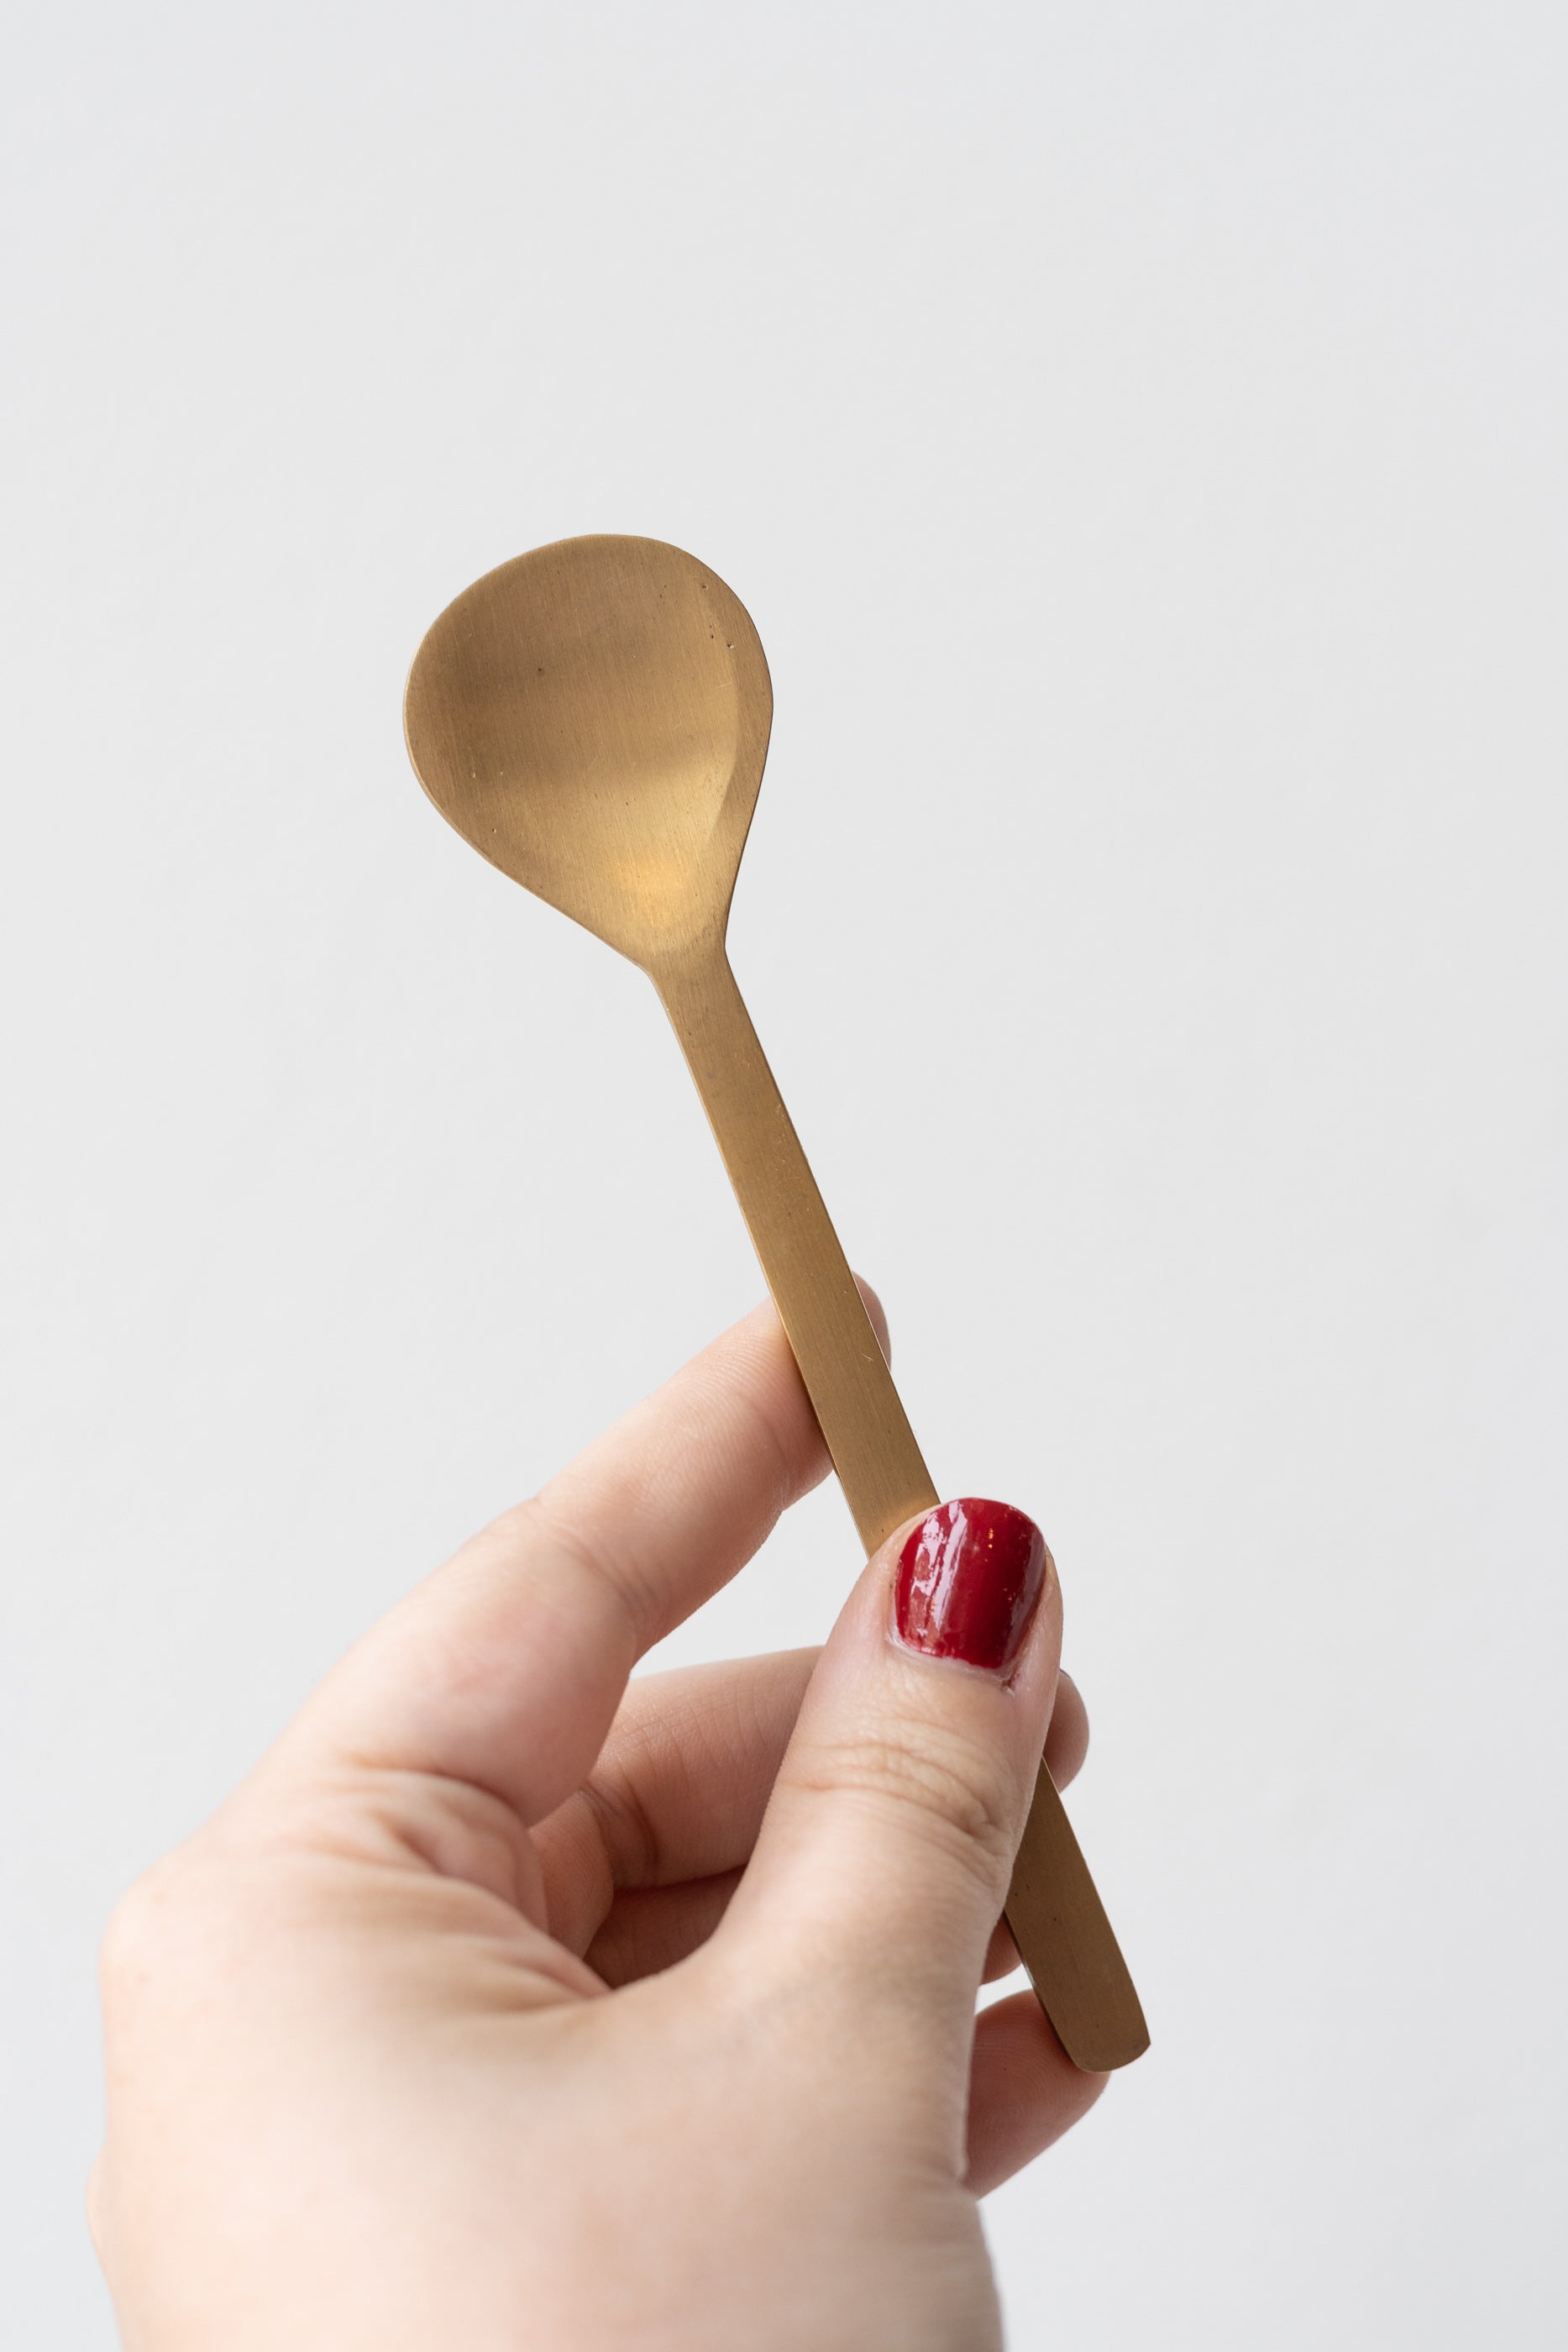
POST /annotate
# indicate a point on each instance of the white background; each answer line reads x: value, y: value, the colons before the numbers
x: 1137, y: 432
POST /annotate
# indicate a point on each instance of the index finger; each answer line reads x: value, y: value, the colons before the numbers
x: 504, y: 1669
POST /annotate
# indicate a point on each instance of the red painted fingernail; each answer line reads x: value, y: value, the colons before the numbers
x: 969, y: 1577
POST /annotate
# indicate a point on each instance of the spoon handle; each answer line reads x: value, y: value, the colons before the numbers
x: 1057, y: 1919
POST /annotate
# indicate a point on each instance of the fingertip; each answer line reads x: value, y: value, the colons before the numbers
x: 1002, y: 1957
x: 874, y: 1308
x: 1024, y: 2091
x: 1067, y: 1740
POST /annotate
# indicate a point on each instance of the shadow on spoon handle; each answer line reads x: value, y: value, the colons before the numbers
x: 1057, y: 1919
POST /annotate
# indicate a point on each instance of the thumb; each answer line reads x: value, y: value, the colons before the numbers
x: 883, y: 1861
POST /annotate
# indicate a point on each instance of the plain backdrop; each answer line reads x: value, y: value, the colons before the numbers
x: 1138, y: 433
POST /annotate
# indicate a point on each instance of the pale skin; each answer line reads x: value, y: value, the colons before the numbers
x: 512, y: 2005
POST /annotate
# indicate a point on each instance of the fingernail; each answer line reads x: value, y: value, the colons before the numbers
x: 969, y: 1577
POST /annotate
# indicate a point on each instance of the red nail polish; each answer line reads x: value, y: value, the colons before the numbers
x: 968, y: 1580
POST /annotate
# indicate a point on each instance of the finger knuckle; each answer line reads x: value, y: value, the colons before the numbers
x: 626, y: 1828
x: 93, y: 2200
x: 133, y: 1936
x: 940, y: 1785
x: 550, y: 1535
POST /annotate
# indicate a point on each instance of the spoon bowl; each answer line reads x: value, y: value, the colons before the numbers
x: 594, y: 717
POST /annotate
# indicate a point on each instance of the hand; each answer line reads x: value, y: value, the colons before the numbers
x: 510, y: 2005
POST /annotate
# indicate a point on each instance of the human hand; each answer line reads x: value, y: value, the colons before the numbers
x: 506, y: 2005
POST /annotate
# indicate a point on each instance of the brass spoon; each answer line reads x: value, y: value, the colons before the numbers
x: 594, y: 717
